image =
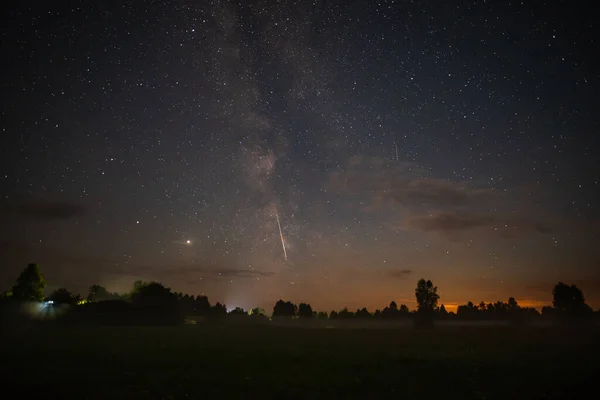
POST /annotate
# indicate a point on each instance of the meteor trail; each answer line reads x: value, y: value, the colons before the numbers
x: 281, y: 236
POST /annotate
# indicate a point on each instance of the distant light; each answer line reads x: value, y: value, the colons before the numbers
x: 188, y: 242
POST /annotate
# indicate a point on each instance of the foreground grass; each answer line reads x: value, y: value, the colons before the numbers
x: 220, y: 361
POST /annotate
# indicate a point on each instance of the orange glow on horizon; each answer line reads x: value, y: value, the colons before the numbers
x: 537, y: 304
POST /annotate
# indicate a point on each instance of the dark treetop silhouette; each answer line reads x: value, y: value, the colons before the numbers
x: 151, y: 302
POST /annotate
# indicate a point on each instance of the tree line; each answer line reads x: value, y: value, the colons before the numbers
x: 152, y: 302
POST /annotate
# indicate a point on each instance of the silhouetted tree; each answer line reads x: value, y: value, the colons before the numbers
x: 363, y: 313
x: 284, y: 309
x: 500, y: 310
x: 549, y: 311
x: 427, y: 298
x: 152, y: 295
x: 305, y: 310
x: 218, y: 310
x: 30, y: 285
x: 99, y: 293
x: 155, y: 304
x: 569, y: 301
x: 193, y: 306
x: 257, y: 312
x: 238, y: 311
x: 63, y: 296
x: 468, y: 311
x: 333, y: 315
x: 442, y: 312
x: 345, y: 314
x: 390, y: 311
x: 377, y: 314
x: 322, y: 315
x: 514, y: 312
x: 201, y: 305
x: 529, y: 312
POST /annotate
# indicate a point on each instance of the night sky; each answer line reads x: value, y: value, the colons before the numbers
x: 393, y: 140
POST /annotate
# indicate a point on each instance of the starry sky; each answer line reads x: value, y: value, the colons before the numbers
x: 393, y: 140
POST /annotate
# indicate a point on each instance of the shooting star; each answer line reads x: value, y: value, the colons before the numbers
x: 396, y: 146
x: 281, y: 236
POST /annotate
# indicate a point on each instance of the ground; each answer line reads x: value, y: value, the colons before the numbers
x: 246, y: 361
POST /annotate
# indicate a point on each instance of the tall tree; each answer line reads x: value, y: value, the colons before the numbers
x: 390, y: 311
x: 30, y: 284
x: 305, y: 310
x: 201, y: 305
x: 427, y: 296
x: 443, y: 311
x: 218, y: 310
x: 569, y: 300
x: 284, y: 309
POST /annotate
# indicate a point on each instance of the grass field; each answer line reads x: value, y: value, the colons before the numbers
x: 246, y: 361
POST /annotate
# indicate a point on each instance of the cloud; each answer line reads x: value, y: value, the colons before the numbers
x: 70, y: 261
x: 45, y: 210
x: 518, y: 226
x: 433, y: 205
x: 403, y: 273
x: 387, y: 181
x: 439, y: 193
x: 446, y: 222
x: 451, y: 223
x: 241, y: 273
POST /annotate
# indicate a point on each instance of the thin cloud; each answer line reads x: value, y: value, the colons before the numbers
x: 445, y: 221
x: 403, y: 273
x: 439, y: 193
x: 451, y: 223
x: 45, y: 210
x: 520, y: 226
x: 241, y: 273
x: 388, y: 181
x: 46, y: 255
